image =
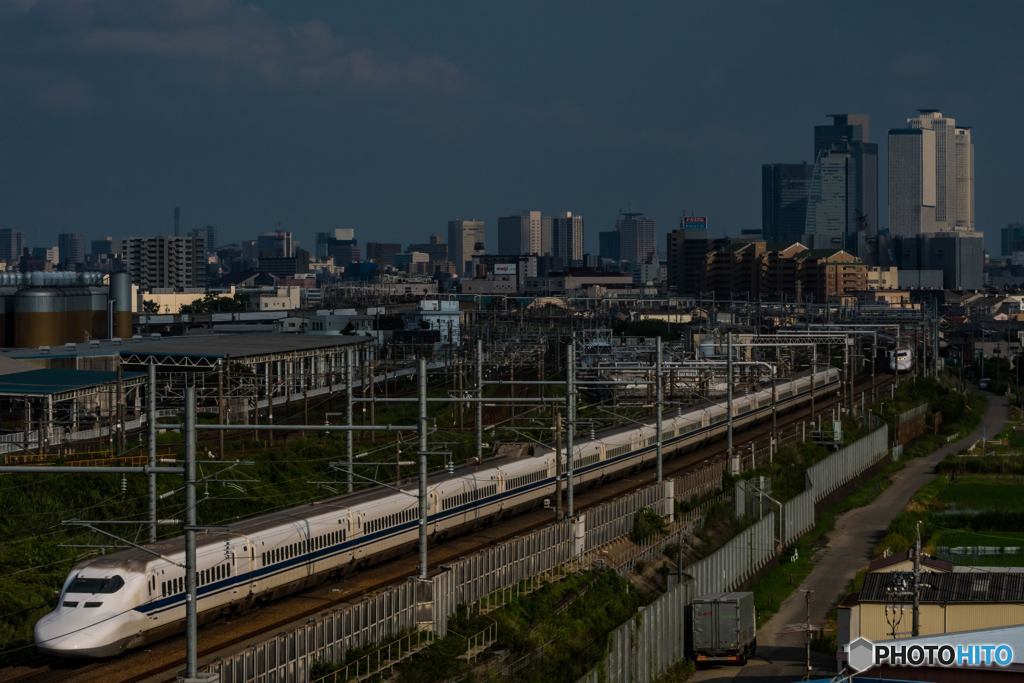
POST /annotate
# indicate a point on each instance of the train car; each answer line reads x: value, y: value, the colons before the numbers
x: 129, y: 598
x: 901, y: 360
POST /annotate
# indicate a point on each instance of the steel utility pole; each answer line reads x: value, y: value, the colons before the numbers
x: 421, y: 428
x: 151, y: 460
x: 558, y: 466
x: 734, y: 465
x: 570, y: 422
x: 807, y: 633
x: 659, y: 398
x: 349, y: 452
x: 191, y: 613
x: 480, y: 401
x: 916, y: 614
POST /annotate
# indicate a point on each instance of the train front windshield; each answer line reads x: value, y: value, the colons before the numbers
x: 110, y: 584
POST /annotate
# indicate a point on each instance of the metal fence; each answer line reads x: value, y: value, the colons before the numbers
x: 289, y: 656
x: 797, y: 516
x: 831, y: 473
x: 647, y: 645
x: 699, y: 482
x: 738, y: 560
x: 605, y: 523
x: 913, y: 414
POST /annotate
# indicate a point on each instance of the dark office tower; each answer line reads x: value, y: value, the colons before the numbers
x: 1013, y: 238
x: 382, y: 253
x: 567, y: 238
x: 211, y: 238
x: 636, y: 238
x: 71, y: 248
x: 276, y: 244
x: 844, y: 149
x: 522, y: 234
x: 209, y: 235
x: 11, y: 244
x: 466, y: 239
x: 608, y: 245
x: 101, y: 247
x: 785, y: 189
x: 688, y: 247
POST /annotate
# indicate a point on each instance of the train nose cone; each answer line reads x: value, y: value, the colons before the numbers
x: 64, y: 633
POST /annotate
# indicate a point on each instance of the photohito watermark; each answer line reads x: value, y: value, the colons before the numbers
x: 863, y: 654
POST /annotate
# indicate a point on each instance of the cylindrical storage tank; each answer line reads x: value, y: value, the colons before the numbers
x: 39, y: 317
x: 98, y: 297
x: 78, y: 315
x: 121, y: 293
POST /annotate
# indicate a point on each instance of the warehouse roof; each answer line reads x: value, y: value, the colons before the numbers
x: 44, y: 382
x: 956, y: 587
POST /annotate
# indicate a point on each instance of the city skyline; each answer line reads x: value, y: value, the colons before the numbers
x: 215, y: 131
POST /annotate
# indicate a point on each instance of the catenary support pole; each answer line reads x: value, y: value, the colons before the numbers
x: 421, y: 428
x: 570, y: 422
x: 191, y: 612
x: 659, y: 399
x: 479, y: 403
x: 734, y: 465
x: 151, y: 460
x: 349, y: 452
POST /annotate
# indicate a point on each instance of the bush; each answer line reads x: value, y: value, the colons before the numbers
x: 646, y: 525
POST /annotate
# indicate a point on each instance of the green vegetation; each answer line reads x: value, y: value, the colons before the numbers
x: 646, y: 525
x: 556, y: 633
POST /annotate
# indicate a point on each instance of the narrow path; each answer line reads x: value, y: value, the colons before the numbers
x: 780, y: 642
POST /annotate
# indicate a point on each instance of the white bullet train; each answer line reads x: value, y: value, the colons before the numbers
x: 126, y: 599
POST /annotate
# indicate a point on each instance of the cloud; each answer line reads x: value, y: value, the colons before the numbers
x: 207, y: 43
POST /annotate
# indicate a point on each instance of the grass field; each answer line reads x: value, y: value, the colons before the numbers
x: 984, y: 492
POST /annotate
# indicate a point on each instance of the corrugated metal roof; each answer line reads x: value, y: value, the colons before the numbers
x: 236, y: 345
x: 945, y: 588
x: 54, y: 381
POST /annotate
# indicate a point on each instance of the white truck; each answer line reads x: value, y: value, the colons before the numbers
x: 724, y: 627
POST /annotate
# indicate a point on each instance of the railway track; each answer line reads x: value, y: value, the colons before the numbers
x: 163, y: 660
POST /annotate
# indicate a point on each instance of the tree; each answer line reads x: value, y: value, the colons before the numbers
x: 150, y: 307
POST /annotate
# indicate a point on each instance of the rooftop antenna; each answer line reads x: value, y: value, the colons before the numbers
x: 177, y: 219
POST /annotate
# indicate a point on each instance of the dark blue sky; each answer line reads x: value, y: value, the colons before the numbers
x: 393, y: 117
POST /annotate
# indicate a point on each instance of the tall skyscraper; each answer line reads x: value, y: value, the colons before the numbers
x: 948, y: 152
x: 785, y: 189
x: 11, y: 244
x: 520, y: 234
x: 636, y: 238
x: 843, y: 198
x: 964, y: 179
x: 912, y: 186
x: 465, y: 238
x: 71, y: 246
x: 567, y: 238
x: 827, y: 225
x: 608, y: 245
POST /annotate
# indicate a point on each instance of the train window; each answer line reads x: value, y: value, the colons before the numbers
x: 70, y: 603
x: 110, y: 584
x: 93, y: 604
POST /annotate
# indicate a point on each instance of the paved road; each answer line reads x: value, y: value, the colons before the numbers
x: 780, y: 646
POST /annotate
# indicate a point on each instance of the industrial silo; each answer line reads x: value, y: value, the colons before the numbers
x: 121, y: 295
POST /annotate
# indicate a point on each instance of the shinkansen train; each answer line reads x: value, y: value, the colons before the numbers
x: 901, y: 360
x: 126, y: 599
